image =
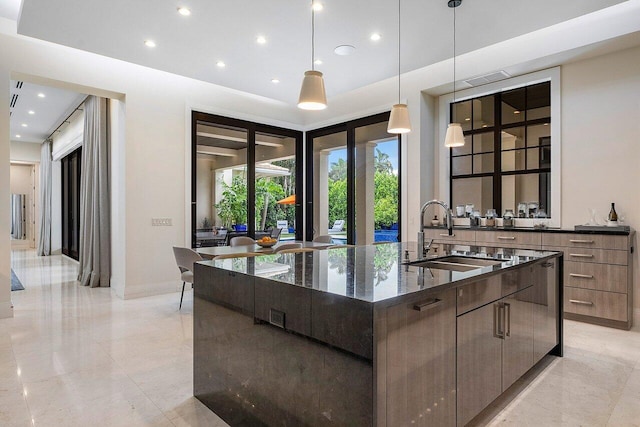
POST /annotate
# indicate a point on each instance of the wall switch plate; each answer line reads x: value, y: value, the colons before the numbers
x: 161, y: 222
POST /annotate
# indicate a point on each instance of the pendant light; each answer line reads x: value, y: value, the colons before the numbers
x: 454, y: 136
x: 312, y: 94
x: 399, y: 117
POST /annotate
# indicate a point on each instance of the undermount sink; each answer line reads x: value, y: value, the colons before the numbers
x: 456, y: 263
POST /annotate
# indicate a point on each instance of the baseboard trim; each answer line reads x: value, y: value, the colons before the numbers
x: 150, y: 289
x: 6, y: 309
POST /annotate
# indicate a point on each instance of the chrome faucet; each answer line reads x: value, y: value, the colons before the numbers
x: 422, y: 248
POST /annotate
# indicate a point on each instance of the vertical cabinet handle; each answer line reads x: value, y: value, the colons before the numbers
x: 507, y: 321
x: 498, y: 321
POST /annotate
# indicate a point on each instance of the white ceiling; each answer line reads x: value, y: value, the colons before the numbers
x: 226, y: 30
x: 49, y: 112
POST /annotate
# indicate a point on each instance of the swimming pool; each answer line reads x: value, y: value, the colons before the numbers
x: 378, y: 236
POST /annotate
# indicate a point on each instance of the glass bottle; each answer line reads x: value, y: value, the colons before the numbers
x: 613, y: 216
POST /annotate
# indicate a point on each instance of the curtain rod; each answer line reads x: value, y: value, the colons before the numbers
x: 67, y: 119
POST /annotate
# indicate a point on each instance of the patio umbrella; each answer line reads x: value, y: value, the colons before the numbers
x: 291, y: 200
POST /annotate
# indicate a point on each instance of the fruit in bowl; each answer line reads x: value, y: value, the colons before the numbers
x: 266, y: 242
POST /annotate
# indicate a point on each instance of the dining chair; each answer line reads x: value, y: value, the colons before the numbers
x: 239, y: 255
x: 241, y: 241
x: 323, y: 238
x: 286, y: 246
x: 296, y: 250
x: 185, y: 258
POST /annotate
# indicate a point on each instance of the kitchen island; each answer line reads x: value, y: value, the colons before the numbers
x: 371, y: 335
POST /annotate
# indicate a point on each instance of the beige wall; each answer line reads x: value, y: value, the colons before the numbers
x: 601, y: 140
x: 25, y: 152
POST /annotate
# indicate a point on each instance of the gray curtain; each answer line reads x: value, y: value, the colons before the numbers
x: 44, y: 239
x: 18, y: 228
x: 95, y: 244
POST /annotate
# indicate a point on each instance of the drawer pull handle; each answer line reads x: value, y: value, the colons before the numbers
x: 583, y: 276
x: 427, y: 305
x: 577, y: 301
x: 447, y: 235
x: 506, y: 238
x: 580, y: 241
x: 582, y: 255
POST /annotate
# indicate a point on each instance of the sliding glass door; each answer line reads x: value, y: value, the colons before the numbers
x: 353, y: 182
x: 243, y: 180
x: 71, y: 203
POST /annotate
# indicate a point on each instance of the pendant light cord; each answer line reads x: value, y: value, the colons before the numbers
x: 313, y: 37
x: 399, y: 17
x: 454, y: 54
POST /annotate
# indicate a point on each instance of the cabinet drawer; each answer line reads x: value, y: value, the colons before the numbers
x: 509, y: 237
x: 601, y: 277
x: 441, y: 234
x: 575, y: 240
x: 478, y: 293
x: 608, y: 305
x: 599, y: 256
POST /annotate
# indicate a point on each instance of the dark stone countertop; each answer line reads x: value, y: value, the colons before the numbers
x: 374, y: 273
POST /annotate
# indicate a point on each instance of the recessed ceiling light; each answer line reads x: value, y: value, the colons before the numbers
x: 317, y: 6
x: 41, y: 95
x: 221, y: 64
x: 261, y: 40
x: 276, y: 81
x: 375, y: 37
x: 546, y: 124
x: 184, y: 11
x: 516, y: 112
x: 318, y: 61
x: 344, y: 50
x: 24, y: 125
x: 32, y: 112
x: 467, y: 119
x: 18, y: 136
x: 149, y: 43
x: 484, y: 126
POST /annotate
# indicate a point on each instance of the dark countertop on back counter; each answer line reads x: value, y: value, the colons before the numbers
x: 375, y: 273
x: 602, y: 230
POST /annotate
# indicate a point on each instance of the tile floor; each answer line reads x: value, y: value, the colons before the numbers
x: 74, y: 356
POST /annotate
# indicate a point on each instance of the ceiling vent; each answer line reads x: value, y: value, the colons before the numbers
x: 19, y: 84
x: 14, y: 99
x: 487, y: 78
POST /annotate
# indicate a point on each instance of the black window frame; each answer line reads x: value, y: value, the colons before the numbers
x: 497, y: 129
x: 251, y: 128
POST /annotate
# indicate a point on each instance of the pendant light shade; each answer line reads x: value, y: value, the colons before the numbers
x: 454, y: 137
x: 399, y: 119
x: 312, y: 94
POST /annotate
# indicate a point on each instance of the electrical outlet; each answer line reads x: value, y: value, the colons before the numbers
x: 161, y: 222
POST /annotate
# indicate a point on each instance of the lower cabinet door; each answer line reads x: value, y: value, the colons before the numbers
x: 420, y: 362
x: 479, y: 360
x: 517, y: 348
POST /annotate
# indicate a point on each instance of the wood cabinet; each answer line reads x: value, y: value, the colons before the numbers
x: 420, y: 351
x: 522, y: 239
x: 598, y: 268
x: 598, y: 277
x: 499, y: 341
x: 479, y: 358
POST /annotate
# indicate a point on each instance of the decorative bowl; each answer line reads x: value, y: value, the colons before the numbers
x: 266, y: 244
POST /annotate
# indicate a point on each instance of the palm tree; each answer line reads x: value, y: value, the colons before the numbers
x: 338, y: 170
x: 382, y: 162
